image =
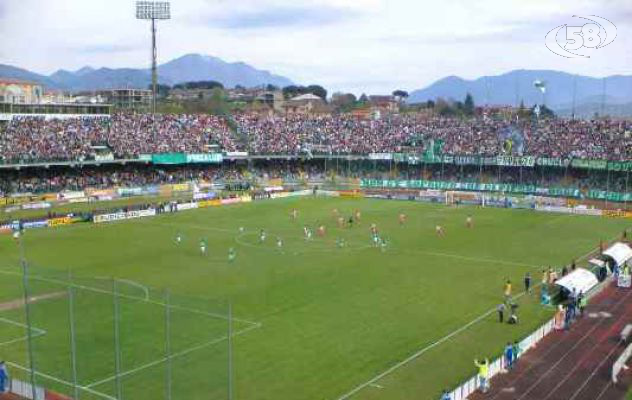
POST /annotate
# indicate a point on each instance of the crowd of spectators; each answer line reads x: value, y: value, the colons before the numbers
x: 32, y: 139
x: 126, y: 135
x: 57, y: 179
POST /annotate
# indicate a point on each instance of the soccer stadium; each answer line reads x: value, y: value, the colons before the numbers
x: 204, y: 229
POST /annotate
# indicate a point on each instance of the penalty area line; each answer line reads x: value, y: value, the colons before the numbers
x: 124, y: 296
x: 176, y: 355
x: 60, y: 381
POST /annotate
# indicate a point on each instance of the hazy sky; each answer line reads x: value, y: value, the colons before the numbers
x: 369, y: 46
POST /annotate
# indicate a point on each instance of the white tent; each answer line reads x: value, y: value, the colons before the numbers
x: 581, y: 280
x: 619, y: 252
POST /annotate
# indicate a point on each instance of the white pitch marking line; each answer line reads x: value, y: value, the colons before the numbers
x: 482, y: 259
x: 60, y: 381
x: 432, y: 345
x: 21, y: 325
x: 176, y: 355
x: 124, y: 296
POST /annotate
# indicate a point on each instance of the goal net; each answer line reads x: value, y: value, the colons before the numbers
x: 470, y: 198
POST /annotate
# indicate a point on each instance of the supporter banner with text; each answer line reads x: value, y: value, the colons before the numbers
x: 498, y: 187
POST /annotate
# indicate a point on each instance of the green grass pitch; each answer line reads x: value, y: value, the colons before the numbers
x: 311, y: 320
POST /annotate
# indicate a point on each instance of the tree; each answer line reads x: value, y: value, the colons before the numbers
x: 199, y: 85
x: 318, y: 91
x: 546, y: 112
x: 343, y: 102
x: 430, y: 104
x: 293, y: 91
x: 271, y: 88
x: 402, y: 94
x: 162, y: 90
x: 444, y: 108
x: 468, y: 105
x: 364, y: 99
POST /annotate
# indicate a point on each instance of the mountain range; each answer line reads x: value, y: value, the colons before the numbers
x: 565, y: 92
x: 191, y: 67
x: 613, y: 92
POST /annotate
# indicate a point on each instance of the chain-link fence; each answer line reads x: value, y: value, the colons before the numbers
x: 103, y: 338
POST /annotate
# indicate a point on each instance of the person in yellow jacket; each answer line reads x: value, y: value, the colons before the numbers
x: 507, y: 290
x: 483, y: 373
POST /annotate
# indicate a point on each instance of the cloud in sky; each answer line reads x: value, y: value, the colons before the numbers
x: 360, y: 45
x: 279, y: 17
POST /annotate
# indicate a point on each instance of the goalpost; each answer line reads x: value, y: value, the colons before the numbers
x: 471, y: 198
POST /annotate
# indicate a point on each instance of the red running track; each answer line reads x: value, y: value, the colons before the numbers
x: 574, y: 364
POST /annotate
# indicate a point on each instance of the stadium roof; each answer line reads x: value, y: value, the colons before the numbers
x: 619, y: 252
x: 581, y: 280
x: 306, y: 96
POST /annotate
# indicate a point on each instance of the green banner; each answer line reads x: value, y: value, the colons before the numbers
x: 512, y: 161
x: 552, y: 162
x: 620, y: 165
x: 169, y: 158
x: 467, y: 160
x: 497, y: 187
x: 589, y: 164
x: 209, y: 158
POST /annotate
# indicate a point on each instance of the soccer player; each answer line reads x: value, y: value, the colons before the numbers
x: 279, y: 243
x: 402, y: 219
x: 178, y: 238
x: 358, y: 216
x: 341, y: 222
x: 469, y: 223
x: 340, y: 242
x: 241, y: 229
x: 307, y: 232
x: 232, y: 254
x: 321, y: 231
x: 294, y: 214
x: 262, y: 236
x: 203, y: 246
x: 527, y: 282
x: 439, y: 230
x: 383, y: 244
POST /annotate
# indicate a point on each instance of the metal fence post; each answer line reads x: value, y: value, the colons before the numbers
x: 230, y: 351
x: 117, y: 344
x: 73, y: 342
x: 27, y: 312
x: 168, y: 388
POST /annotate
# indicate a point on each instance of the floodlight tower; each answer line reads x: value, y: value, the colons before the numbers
x: 153, y: 10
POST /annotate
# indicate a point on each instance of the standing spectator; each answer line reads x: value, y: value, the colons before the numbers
x: 515, y: 352
x: 527, y: 282
x: 501, y: 312
x: 508, y: 356
x: 4, y: 378
x: 582, y: 301
x: 508, y: 290
x: 483, y: 371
